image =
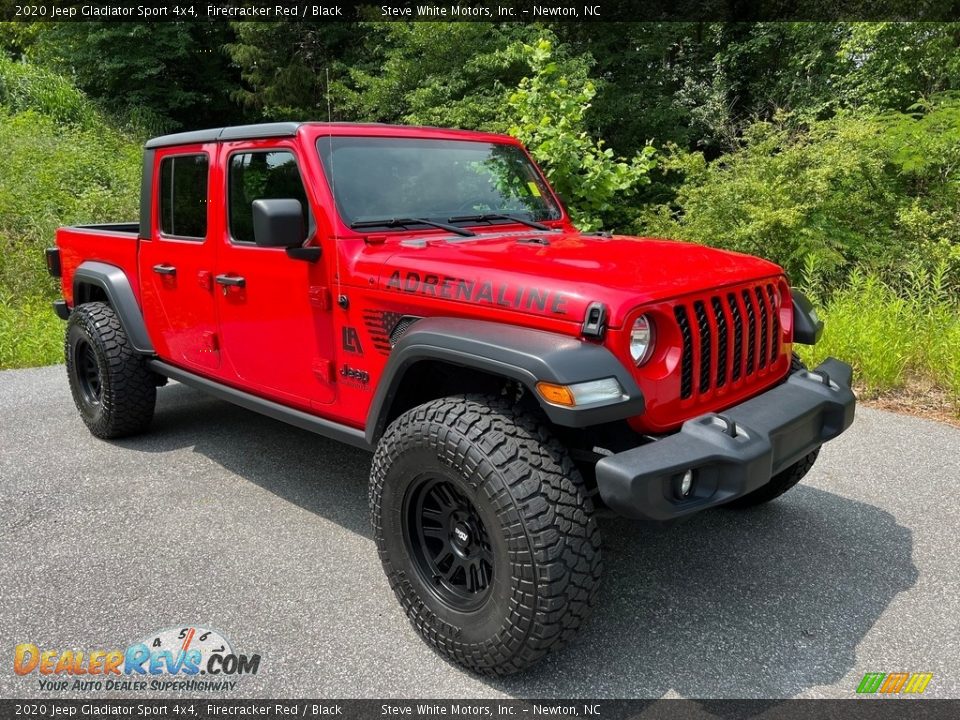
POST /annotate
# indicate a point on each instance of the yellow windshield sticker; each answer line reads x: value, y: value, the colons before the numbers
x: 534, y: 190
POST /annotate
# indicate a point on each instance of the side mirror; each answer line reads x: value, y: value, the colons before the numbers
x: 278, y: 222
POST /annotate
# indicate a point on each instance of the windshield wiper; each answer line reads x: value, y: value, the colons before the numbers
x: 400, y: 222
x: 500, y: 216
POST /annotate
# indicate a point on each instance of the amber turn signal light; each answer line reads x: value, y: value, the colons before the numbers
x: 556, y: 394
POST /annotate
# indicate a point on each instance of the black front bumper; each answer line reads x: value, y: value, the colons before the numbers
x: 733, y: 452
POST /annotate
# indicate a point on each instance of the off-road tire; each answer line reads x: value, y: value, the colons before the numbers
x: 121, y: 400
x: 783, y: 480
x: 543, y: 539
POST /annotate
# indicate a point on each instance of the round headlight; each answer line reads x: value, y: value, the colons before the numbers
x: 641, y: 340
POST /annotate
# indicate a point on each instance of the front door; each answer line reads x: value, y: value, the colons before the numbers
x: 275, y: 312
x: 177, y: 259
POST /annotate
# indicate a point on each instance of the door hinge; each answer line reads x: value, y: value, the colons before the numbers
x: 320, y: 296
x: 205, y: 279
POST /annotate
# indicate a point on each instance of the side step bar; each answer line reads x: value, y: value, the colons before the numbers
x: 298, y: 418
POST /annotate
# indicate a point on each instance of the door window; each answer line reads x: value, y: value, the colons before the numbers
x: 183, y: 196
x: 261, y: 175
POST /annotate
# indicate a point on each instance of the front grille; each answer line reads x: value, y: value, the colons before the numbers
x: 732, y: 338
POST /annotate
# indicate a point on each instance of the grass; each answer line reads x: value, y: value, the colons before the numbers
x: 64, y: 161
x: 30, y: 334
x: 893, y: 339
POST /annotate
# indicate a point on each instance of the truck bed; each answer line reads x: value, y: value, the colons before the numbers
x: 112, y: 243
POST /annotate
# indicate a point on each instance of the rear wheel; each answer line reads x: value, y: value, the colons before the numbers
x: 112, y: 387
x: 485, y: 531
x: 785, y: 479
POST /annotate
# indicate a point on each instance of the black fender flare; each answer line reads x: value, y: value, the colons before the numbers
x: 521, y: 354
x: 115, y: 283
x: 807, y: 326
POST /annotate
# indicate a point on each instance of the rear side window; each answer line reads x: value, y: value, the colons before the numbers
x: 260, y: 175
x: 183, y: 196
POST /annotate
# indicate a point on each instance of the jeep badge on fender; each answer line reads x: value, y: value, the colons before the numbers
x: 510, y: 374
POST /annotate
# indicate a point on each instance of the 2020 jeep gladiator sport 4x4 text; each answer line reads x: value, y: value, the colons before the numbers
x: 422, y: 293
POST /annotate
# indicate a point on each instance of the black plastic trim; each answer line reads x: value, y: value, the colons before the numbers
x: 731, y: 453
x: 146, y: 193
x: 225, y: 134
x: 114, y: 282
x: 61, y: 308
x: 521, y: 354
x: 298, y: 418
x: 119, y: 228
x: 595, y: 321
x: 807, y: 326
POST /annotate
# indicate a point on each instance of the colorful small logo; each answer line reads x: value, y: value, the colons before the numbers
x: 894, y: 683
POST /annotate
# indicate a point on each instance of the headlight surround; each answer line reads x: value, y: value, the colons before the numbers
x: 642, y: 339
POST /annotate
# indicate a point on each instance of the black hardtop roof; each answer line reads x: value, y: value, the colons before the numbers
x: 235, y: 132
x: 272, y: 130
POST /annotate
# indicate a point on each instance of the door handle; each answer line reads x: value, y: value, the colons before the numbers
x: 231, y: 280
x: 163, y: 269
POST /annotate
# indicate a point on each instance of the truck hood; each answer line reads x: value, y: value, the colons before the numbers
x: 559, y: 274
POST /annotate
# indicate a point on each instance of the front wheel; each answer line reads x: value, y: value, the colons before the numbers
x: 485, y: 531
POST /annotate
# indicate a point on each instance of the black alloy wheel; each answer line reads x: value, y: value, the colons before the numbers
x: 447, y: 539
x: 88, y: 374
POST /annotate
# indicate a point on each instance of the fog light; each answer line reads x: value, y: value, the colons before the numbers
x: 686, y: 484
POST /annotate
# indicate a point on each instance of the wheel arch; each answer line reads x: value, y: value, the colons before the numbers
x: 98, y: 281
x: 483, y: 356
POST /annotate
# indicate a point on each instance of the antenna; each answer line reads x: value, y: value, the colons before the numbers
x: 341, y: 299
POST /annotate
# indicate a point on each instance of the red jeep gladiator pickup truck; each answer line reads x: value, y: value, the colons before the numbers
x: 423, y: 294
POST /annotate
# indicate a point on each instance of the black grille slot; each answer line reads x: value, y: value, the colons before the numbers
x: 705, y: 359
x: 751, y: 330
x: 686, y: 359
x: 737, y: 335
x: 775, y: 320
x: 761, y: 303
x: 721, y: 320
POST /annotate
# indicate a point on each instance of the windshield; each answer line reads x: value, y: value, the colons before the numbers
x: 450, y: 181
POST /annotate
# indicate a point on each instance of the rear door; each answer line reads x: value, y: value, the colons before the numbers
x: 276, y: 319
x: 177, y: 259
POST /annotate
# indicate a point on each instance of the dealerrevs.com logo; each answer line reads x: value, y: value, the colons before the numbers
x: 191, y: 659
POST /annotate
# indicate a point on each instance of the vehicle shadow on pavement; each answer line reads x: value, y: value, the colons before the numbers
x: 327, y: 478
x: 761, y: 603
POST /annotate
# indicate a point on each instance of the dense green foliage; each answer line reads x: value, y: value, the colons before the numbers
x: 546, y: 112
x: 832, y: 148
x: 62, y: 163
x: 867, y: 191
x: 893, y: 335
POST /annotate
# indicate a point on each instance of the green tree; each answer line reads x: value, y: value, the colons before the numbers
x: 890, y: 65
x: 445, y: 74
x: 170, y: 74
x: 284, y: 68
x: 546, y: 112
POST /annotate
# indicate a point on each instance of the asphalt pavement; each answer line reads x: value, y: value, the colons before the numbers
x: 222, y: 519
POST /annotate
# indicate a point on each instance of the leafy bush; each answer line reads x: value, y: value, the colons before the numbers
x: 52, y: 175
x: 63, y: 163
x: 27, y: 87
x: 547, y: 113
x: 890, y: 335
x: 876, y: 192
